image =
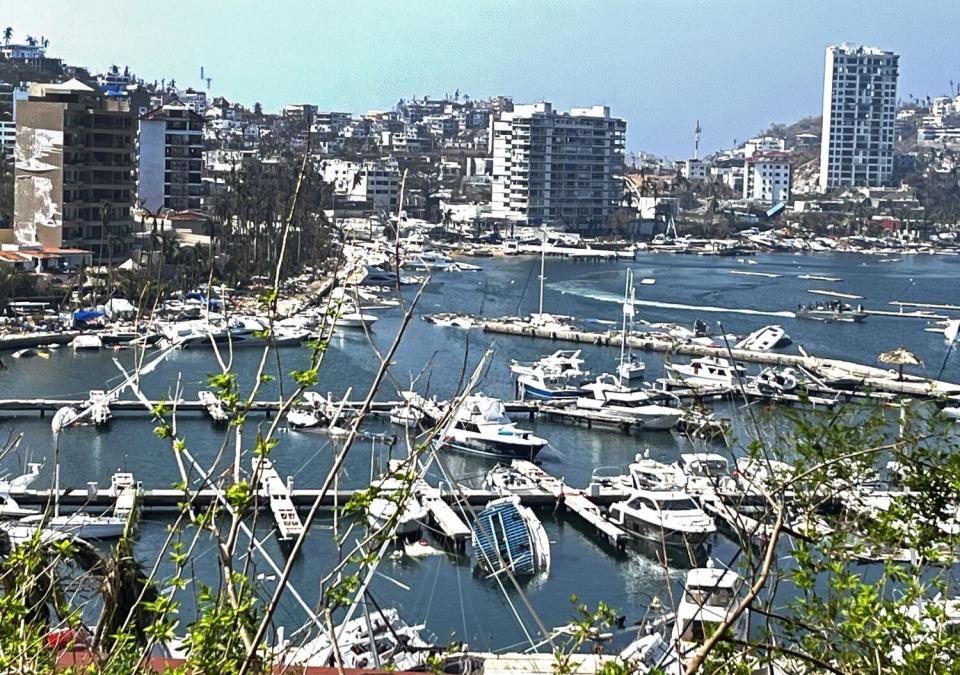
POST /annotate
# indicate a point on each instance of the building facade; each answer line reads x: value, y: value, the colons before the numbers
x: 372, y: 185
x: 859, y: 114
x: 556, y: 168
x: 170, y: 158
x: 766, y: 177
x: 74, y: 162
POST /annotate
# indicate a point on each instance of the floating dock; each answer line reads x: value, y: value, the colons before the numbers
x: 285, y: 515
x: 444, y: 518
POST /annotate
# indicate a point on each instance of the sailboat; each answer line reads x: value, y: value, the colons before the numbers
x: 508, y: 536
x: 541, y: 319
x: 631, y: 369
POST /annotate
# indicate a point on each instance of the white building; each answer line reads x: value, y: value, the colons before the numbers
x: 763, y: 144
x: 694, y: 169
x: 859, y: 109
x: 556, y: 168
x: 8, y: 137
x: 766, y: 177
x: 375, y: 182
x: 170, y: 158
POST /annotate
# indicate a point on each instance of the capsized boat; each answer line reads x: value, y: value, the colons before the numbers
x: 765, y: 339
x: 508, y: 536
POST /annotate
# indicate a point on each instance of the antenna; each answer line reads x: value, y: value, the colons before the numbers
x: 201, y: 73
x: 209, y: 80
x: 696, y: 141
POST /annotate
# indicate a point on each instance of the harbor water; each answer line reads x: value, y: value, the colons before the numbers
x: 445, y: 592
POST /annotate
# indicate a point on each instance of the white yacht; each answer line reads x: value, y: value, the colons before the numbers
x: 481, y: 426
x: 99, y: 403
x: 511, y: 246
x: 630, y: 369
x: 709, y: 597
x: 506, y: 480
x: 772, y: 381
x: 87, y: 343
x: 428, y: 260
x: 706, y: 472
x: 606, y: 394
x: 709, y: 371
x: 669, y: 516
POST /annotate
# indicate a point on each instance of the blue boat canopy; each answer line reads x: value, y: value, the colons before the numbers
x: 86, y: 315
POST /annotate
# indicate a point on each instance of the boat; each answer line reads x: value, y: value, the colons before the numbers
x: 79, y: 524
x: 630, y: 369
x: 98, y: 402
x: 710, y: 596
x: 506, y: 480
x: 709, y: 371
x: 511, y: 246
x: 407, y: 414
x: 507, y: 536
x: 765, y: 339
x: 481, y: 426
x: 63, y: 418
x: 452, y: 319
x: 773, y: 381
x: 24, y: 353
x: 705, y: 472
x: 355, y: 319
x: 378, y: 640
x: 668, y: 516
x: 549, y: 378
x: 832, y: 310
x: 607, y: 395
x: 87, y: 343
x: 383, y: 509
x: 214, y: 406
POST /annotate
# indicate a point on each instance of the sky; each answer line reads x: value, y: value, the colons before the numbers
x: 736, y: 65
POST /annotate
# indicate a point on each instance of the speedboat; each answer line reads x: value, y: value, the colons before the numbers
x: 508, y: 536
x: 765, y: 339
x: 81, y: 524
x: 709, y: 371
x: 354, y: 319
x: 428, y: 260
x: 481, y: 426
x: 607, y: 395
x: 668, y: 516
x: 506, y: 480
x: 705, y: 472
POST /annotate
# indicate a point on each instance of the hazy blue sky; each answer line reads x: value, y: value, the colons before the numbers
x: 737, y: 65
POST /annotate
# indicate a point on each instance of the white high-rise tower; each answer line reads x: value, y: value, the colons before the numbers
x: 859, y: 111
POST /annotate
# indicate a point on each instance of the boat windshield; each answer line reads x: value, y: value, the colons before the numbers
x: 710, y: 597
x: 677, y: 505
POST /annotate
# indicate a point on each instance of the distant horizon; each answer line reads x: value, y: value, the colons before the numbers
x: 661, y: 65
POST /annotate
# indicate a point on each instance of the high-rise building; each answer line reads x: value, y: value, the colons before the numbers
x: 170, y: 158
x: 74, y: 170
x: 859, y: 111
x: 766, y: 177
x: 556, y: 168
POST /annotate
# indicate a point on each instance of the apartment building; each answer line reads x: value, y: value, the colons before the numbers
x: 170, y: 158
x: 766, y: 177
x: 74, y: 170
x: 372, y: 184
x: 859, y: 111
x: 556, y: 167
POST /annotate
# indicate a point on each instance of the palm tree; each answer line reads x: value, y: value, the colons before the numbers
x: 7, y: 35
x: 32, y: 41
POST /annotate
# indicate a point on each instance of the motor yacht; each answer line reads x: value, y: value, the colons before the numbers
x: 668, y: 516
x: 481, y: 426
x: 607, y: 395
x: 709, y: 371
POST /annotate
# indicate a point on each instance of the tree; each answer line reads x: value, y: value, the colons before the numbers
x: 32, y: 41
x: 7, y: 35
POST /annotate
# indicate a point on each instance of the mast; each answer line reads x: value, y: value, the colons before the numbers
x: 543, y: 258
x: 627, y: 312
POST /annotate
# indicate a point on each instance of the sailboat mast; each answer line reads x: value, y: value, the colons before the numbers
x: 543, y: 258
x: 623, y: 333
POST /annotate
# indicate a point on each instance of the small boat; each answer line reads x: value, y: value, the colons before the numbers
x: 481, y: 426
x: 214, y: 406
x: 355, y: 320
x: 772, y: 381
x: 406, y: 415
x: 99, y: 404
x: 87, y: 343
x: 25, y: 353
x: 550, y: 377
x: 428, y: 260
x: 832, y: 310
x: 82, y: 525
x: 452, y: 319
x: 508, y: 536
x: 668, y: 516
x: 709, y: 371
x: 632, y: 370
x: 63, y: 418
x: 511, y: 246
x: 506, y: 480
x: 765, y: 339
x: 384, y: 509
x: 304, y: 419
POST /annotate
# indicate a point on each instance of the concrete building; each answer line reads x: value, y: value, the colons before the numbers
x: 556, y: 168
x: 766, y: 177
x: 170, y: 158
x: 8, y: 137
x: 74, y: 167
x: 763, y: 144
x: 372, y: 185
x: 695, y: 169
x: 859, y: 109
